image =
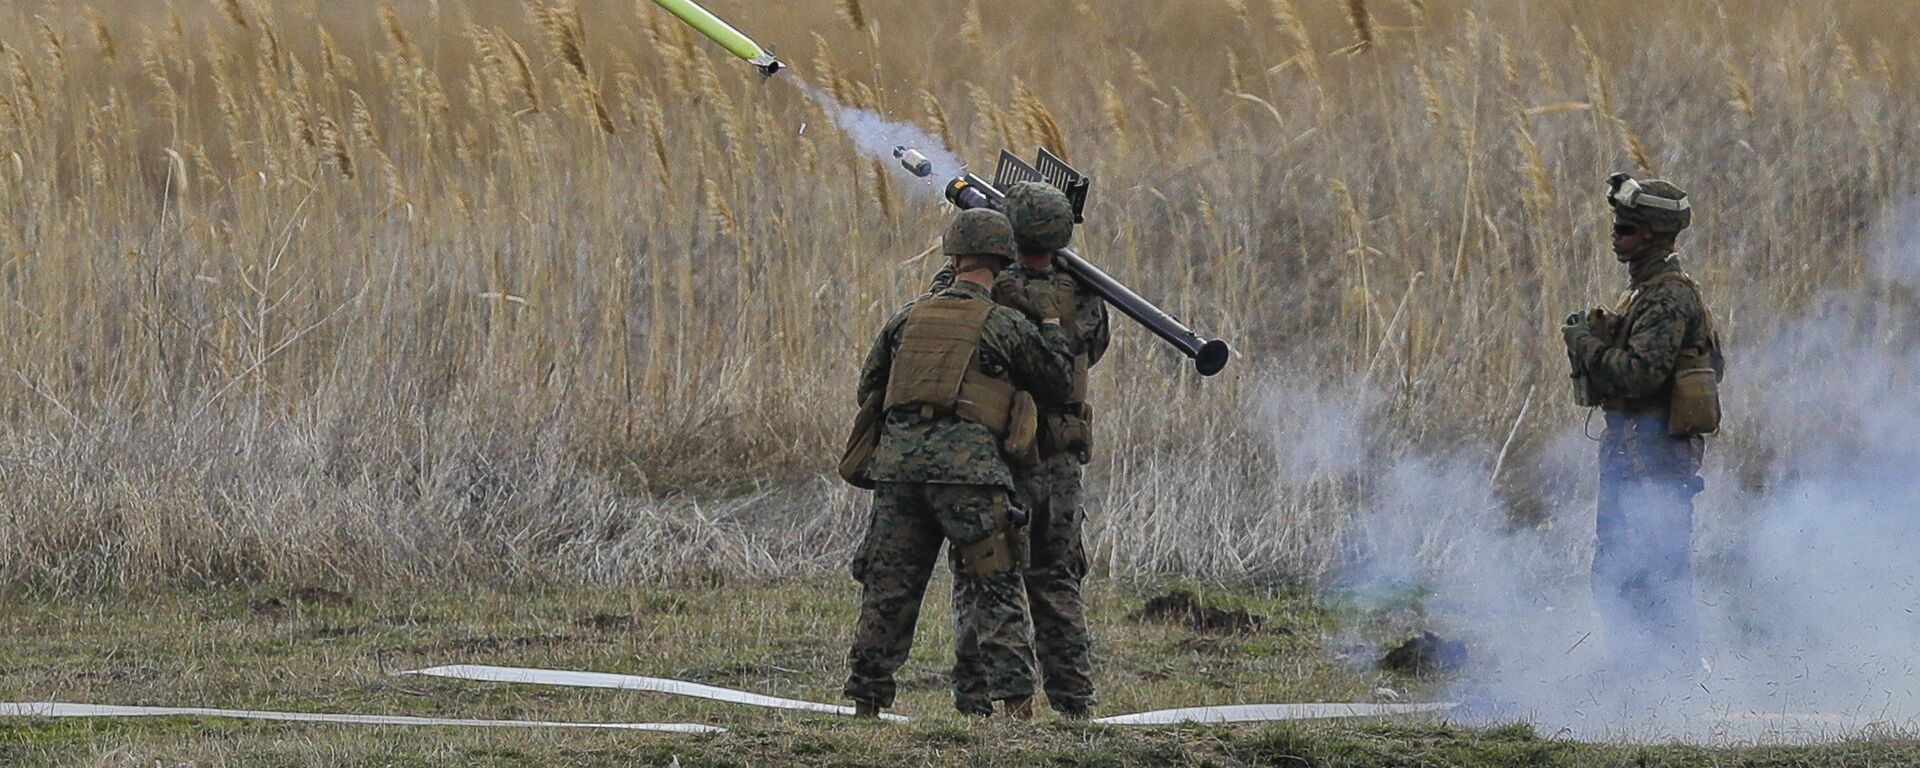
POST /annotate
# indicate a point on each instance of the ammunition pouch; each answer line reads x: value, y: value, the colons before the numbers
x: 1694, y: 405
x: 1067, y: 429
x: 1022, y: 441
x: 857, y: 457
x: 1002, y: 551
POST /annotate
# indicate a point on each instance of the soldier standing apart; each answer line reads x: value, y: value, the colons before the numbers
x: 1652, y: 364
x: 950, y: 366
x: 1042, y: 220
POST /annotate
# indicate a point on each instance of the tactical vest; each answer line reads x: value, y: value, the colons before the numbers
x: 937, y: 366
x: 1691, y: 396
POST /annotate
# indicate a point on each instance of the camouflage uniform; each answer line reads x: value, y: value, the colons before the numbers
x: 1050, y: 492
x: 942, y: 479
x: 1642, y: 578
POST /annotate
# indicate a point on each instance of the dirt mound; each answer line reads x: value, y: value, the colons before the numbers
x: 1425, y: 653
x: 606, y: 622
x: 1183, y: 607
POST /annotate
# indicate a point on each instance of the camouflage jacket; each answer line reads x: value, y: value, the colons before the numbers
x: 1660, y: 318
x: 947, y: 449
x: 1088, y: 332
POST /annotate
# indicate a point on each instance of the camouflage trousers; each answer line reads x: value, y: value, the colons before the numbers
x: 1051, y: 495
x: 910, y: 522
x: 1642, y: 574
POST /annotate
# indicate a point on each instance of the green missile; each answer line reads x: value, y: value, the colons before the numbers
x: 723, y: 33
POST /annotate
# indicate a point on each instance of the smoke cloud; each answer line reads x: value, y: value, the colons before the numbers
x: 1807, y: 585
x: 875, y: 136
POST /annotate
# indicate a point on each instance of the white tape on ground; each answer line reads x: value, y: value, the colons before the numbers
x: 1256, y: 713
x: 60, y: 709
x: 531, y: 676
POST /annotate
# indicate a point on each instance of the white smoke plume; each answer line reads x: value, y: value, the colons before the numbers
x: 875, y: 136
x: 1807, y: 583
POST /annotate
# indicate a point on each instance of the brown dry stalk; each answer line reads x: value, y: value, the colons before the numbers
x: 523, y: 74
x: 1038, y: 121
x: 1239, y: 8
x: 1742, y: 97
x: 1598, y: 91
x: 850, y: 10
x: 397, y: 34
x: 102, y: 36
x: 883, y: 189
x: 1142, y: 72
x: 565, y: 35
x: 55, y: 46
x: 334, y: 146
x: 938, y: 117
x: 1436, y: 110
x: 823, y: 70
x: 153, y: 65
x: 1115, y: 111
x: 234, y: 13
x: 1362, y: 23
x: 972, y: 30
x: 657, y: 132
x: 1290, y: 20
x: 333, y: 62
x: 1636, y: 147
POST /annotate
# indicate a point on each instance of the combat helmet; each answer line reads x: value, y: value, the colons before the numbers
x: 979, y: 232
x: 1041, y: 215
x: 1656, y: 204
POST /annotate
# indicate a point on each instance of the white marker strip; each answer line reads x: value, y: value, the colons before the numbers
x: 1260, y: 713
x: 530, y: 676
x: 59, y: 709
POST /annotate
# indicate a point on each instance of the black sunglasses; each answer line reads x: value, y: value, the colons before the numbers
x: 1623, y: 230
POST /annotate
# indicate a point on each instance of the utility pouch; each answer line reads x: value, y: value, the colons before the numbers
x: 994, y: 554
x: 1067, y: 430
x: 1694, y: 406
x: 865, y: 437
x: 1022, y: 443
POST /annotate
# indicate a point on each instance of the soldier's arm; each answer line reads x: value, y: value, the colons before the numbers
x: 1040, y: 360
x: 1641, y: 366
x: 873, y: 373
x: 1091, y: 315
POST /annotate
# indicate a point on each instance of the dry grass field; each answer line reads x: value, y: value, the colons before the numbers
x: 489, y: 291
x: 497, y: 313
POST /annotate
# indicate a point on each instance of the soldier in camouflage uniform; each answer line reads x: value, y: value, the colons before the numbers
x: 1626, y: 360
x: 950, y: 365
x: 1042, y: 221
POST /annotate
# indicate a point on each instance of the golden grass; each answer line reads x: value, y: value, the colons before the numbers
x: 468, y: 285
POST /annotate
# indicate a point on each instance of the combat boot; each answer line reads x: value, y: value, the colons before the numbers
x: 866, y: 710
x: 1018, y: 707
x: 1074, y: 713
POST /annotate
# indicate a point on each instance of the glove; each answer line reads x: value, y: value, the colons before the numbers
x: 1573, y: 331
